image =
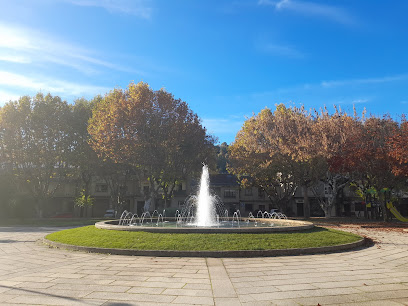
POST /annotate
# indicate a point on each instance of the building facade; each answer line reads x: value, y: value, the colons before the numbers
x: 135, y: 196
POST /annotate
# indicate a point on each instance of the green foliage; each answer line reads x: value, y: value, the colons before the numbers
x: 83, y: 201
x: 222, y: 158
x: 35, y: 143
x: 357, y: 191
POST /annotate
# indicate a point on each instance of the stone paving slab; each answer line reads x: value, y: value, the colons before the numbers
x: 33, y: 274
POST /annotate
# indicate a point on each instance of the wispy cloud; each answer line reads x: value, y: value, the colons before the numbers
x: 282, y: 50
x: 138, y: 8
x: 20, y: 59
x: 6, y: 96
x: 23, y: 46
x: 360, y: 101
x: 38, y: 82
x: 385, y: 79
x: 224, y: 126
x: 331, y: 84
x: 312, y: 9
x: 350, y: 101
x: 347, y: 91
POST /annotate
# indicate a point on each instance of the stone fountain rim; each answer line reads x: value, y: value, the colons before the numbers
x: 294, y: 225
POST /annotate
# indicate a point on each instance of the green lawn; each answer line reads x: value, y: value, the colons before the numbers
x: 94, y: 237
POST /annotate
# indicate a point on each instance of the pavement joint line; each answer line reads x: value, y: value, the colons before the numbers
x: 209, y: 275
x: 221, y: 284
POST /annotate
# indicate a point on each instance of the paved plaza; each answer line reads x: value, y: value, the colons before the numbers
x: 33, y: 274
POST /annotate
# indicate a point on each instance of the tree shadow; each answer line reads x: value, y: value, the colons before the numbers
x: 10, y: 241
x: 33, y: 229
x: 65, y: 297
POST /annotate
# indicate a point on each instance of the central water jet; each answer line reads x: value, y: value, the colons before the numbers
x: 206, y: 212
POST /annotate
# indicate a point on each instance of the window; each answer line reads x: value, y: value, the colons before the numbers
x: 101, y: 188
x: 146, y: 190
x: 229, y: 193
x: 123, y: 190
x: 248, y: 191
x: 261, y: 193
x: 248, y: 207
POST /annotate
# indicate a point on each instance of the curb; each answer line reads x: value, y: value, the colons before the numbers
x: 213, y: 254
x: 289, y: 226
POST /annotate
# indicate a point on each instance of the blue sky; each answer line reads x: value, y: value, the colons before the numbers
x: 226, y: 59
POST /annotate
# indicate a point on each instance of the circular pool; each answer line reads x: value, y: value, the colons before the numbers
x: 244, y: 225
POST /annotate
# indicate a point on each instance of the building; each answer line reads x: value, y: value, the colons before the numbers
x: 135, y: 192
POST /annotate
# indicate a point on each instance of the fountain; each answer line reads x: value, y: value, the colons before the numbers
x: 204, y: 209
x: 204, y: 213
x: 205, y: 203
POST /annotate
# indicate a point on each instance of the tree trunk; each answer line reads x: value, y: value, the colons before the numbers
x: 386, y: 215
x: 39, y: 203
x: 339, y: 202
x: 328, y: 207
x: 328, y: 213
x: 306, y: 204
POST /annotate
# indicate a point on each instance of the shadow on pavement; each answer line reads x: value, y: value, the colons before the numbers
x: 50, y: 295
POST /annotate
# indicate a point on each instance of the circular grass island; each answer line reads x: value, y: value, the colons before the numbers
x: 139, y: 243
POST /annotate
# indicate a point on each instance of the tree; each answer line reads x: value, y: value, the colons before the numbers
x: 332, y: 132
x: 365, y: 156
x: 153, y: 132
x: 35, y: 144
x: 83, y: 159
x: 294, y: 136
x: 222, y: 157
x: 275, y: 150
x: 398, y: 149
x: 8, y: 191
x: 259, y: 163
x: 116, y: 176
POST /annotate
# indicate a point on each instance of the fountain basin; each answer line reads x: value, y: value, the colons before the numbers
x: 264, y: 225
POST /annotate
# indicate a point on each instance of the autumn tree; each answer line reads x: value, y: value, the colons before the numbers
x: 398, y: 149
x: 151, y: 131
x: 331, y: 133
x: 298, y: 139
x: 35, y: 143
x: 258, y: 163
x: 379, y: 163
x: 365, y: 156
x: 266, y: 149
